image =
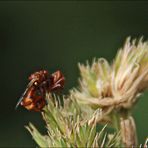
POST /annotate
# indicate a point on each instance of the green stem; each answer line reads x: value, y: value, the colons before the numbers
x: 116, y: 121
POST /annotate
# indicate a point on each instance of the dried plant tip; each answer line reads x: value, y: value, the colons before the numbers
x: 128, y: 132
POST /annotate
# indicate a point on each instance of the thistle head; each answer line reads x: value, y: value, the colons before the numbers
x: 117, y: 85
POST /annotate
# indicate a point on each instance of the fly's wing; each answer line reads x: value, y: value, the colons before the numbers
x: 22, y: 97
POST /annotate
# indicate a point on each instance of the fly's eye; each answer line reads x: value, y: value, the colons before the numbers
x: 35, y: 83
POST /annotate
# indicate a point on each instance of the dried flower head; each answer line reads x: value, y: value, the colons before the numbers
x: 115, y: 86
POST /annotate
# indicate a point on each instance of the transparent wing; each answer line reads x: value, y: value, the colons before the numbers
x: 22, y: 97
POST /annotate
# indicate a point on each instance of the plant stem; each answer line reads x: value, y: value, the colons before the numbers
x: 116, y: 121
x: 125, y: 124
x: 128, y: 131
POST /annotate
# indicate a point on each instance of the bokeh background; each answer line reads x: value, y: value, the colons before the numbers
x: 58, y: 35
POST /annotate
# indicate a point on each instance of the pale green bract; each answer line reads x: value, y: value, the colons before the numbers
x: 66, y: 127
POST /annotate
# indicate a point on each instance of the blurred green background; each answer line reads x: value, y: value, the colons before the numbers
x: 58, y: 35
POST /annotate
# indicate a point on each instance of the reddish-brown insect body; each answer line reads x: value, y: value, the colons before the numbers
x: 40, y: 83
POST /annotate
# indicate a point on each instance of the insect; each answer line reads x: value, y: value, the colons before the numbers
x: 40, y: 83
